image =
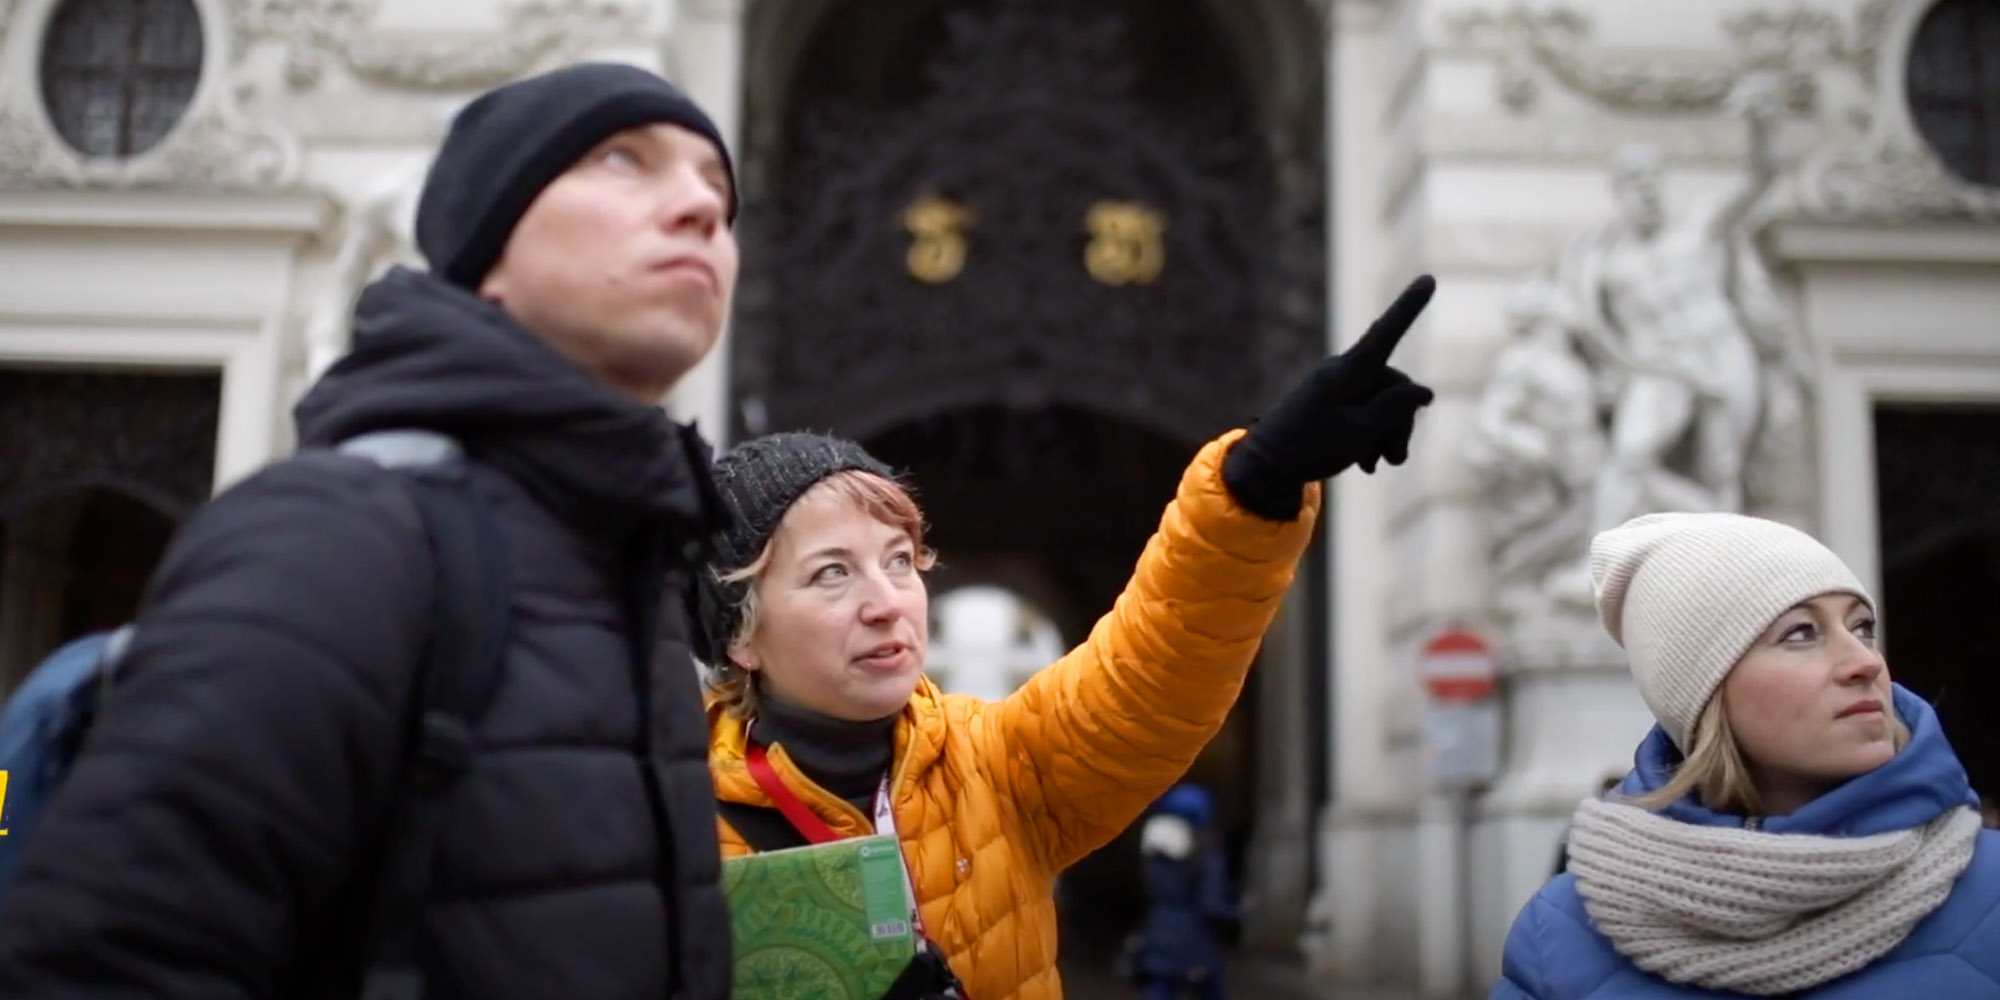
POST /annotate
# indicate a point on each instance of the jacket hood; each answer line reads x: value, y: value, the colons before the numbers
x: 430, y: 355
x: 1916, y: 786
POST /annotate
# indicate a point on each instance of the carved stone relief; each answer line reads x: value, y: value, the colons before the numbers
x: 1891, y: 178
x: 214, y: 148
x: 1871, y: 165
x: 217, y: 146
x: 317, y: 33
x: 1539, y: 46
x: 1702, y: 141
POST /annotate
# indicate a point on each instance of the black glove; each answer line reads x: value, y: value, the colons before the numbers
x: 1353, y: 409
x: 927, y: 977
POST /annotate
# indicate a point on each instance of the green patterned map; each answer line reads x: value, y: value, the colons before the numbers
x: 825, y: 922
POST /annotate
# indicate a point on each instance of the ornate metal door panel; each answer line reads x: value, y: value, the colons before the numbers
x: 1938, y: 470
x: 149, y: 436
x: 96, y: 469
x: 1046, y: 223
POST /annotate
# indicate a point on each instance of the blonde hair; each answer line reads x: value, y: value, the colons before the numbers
x: 883, y: 499
x: 1716, y: 770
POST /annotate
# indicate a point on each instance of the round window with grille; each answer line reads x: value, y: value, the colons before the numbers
x: 1954, y: 86
x: 117, y: 75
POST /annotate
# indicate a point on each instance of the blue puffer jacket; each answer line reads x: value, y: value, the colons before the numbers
x: 1553, y: 952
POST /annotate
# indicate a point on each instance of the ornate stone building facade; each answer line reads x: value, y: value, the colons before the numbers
x: 1716, y: 253
x: 1710, y: 254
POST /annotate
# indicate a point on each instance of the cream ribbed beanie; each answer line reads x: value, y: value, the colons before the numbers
x: 1686, y: 595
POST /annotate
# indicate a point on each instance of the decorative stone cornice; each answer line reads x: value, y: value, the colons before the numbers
x: 317, y: 33
x: 714, y: 9
x: 212, y: 149
x: 1536, y: 47
x: 1711, y: 141
x: 1871, y: 165
x: 1883, y: 171
x: 1893, y: 178
x: 287, y: 214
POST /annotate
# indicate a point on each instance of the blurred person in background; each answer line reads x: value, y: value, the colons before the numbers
x: 1177, y: 950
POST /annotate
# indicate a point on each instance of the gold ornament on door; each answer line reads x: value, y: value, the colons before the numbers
x: 937, y: 239
x: 1127, y: 243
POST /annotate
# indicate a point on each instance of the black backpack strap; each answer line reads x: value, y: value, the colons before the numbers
x: 460, y: 669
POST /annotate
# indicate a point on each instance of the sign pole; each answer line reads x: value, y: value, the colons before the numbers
x: 1461, y: 680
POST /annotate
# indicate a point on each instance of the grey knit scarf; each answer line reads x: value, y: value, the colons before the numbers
x: 1726, y: 908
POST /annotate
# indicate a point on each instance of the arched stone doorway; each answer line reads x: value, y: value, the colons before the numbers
x: 96, y: 471
x: 1037, y: 252
x: 1939, y: 473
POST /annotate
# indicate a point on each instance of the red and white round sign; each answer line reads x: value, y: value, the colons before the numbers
x: 1456, y: 665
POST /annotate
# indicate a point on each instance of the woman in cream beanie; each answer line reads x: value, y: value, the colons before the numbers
x: 1796, y: 825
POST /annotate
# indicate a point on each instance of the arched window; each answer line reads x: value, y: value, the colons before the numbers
x: 988, y: 640
x: 1954, y: 86
x: 118, y: 74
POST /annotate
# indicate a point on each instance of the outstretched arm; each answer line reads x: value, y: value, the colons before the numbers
x: 1087, y: 743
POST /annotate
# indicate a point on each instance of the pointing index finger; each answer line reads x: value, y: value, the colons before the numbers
x: 1387, y: 331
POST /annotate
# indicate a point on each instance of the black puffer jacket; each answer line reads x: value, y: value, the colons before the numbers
x: 211, y: 835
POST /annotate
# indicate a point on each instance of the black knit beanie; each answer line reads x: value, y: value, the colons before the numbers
x: 512, y: 141
x: 759, y: 481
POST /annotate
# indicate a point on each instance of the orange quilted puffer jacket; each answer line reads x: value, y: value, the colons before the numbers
x: 993, y: 799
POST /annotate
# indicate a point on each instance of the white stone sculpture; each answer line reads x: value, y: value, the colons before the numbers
x: 1662, y: 366
x: 378, y: 229
x: 1536, y: 447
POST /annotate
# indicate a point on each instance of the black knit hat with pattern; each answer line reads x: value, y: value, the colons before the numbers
x: 512, y: 141
x: 759, y: 480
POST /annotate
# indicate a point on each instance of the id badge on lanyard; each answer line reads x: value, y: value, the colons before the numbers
x: 885, y: 823
x: 815, y: 829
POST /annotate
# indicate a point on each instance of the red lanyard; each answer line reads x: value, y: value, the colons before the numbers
x: 803, y: 818
x: 814, y: 829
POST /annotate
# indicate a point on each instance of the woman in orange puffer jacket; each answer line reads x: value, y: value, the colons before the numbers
x: 813, y: 619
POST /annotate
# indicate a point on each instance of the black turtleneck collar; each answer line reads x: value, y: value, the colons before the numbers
x: 845, y: 758
x: 431, y: 355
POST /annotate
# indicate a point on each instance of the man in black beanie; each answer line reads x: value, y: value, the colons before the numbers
x: 239, y: 822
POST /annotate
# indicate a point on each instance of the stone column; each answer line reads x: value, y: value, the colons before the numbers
x: 1277, y: 862
x: 707, y: 60
x: 1360, y: 927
